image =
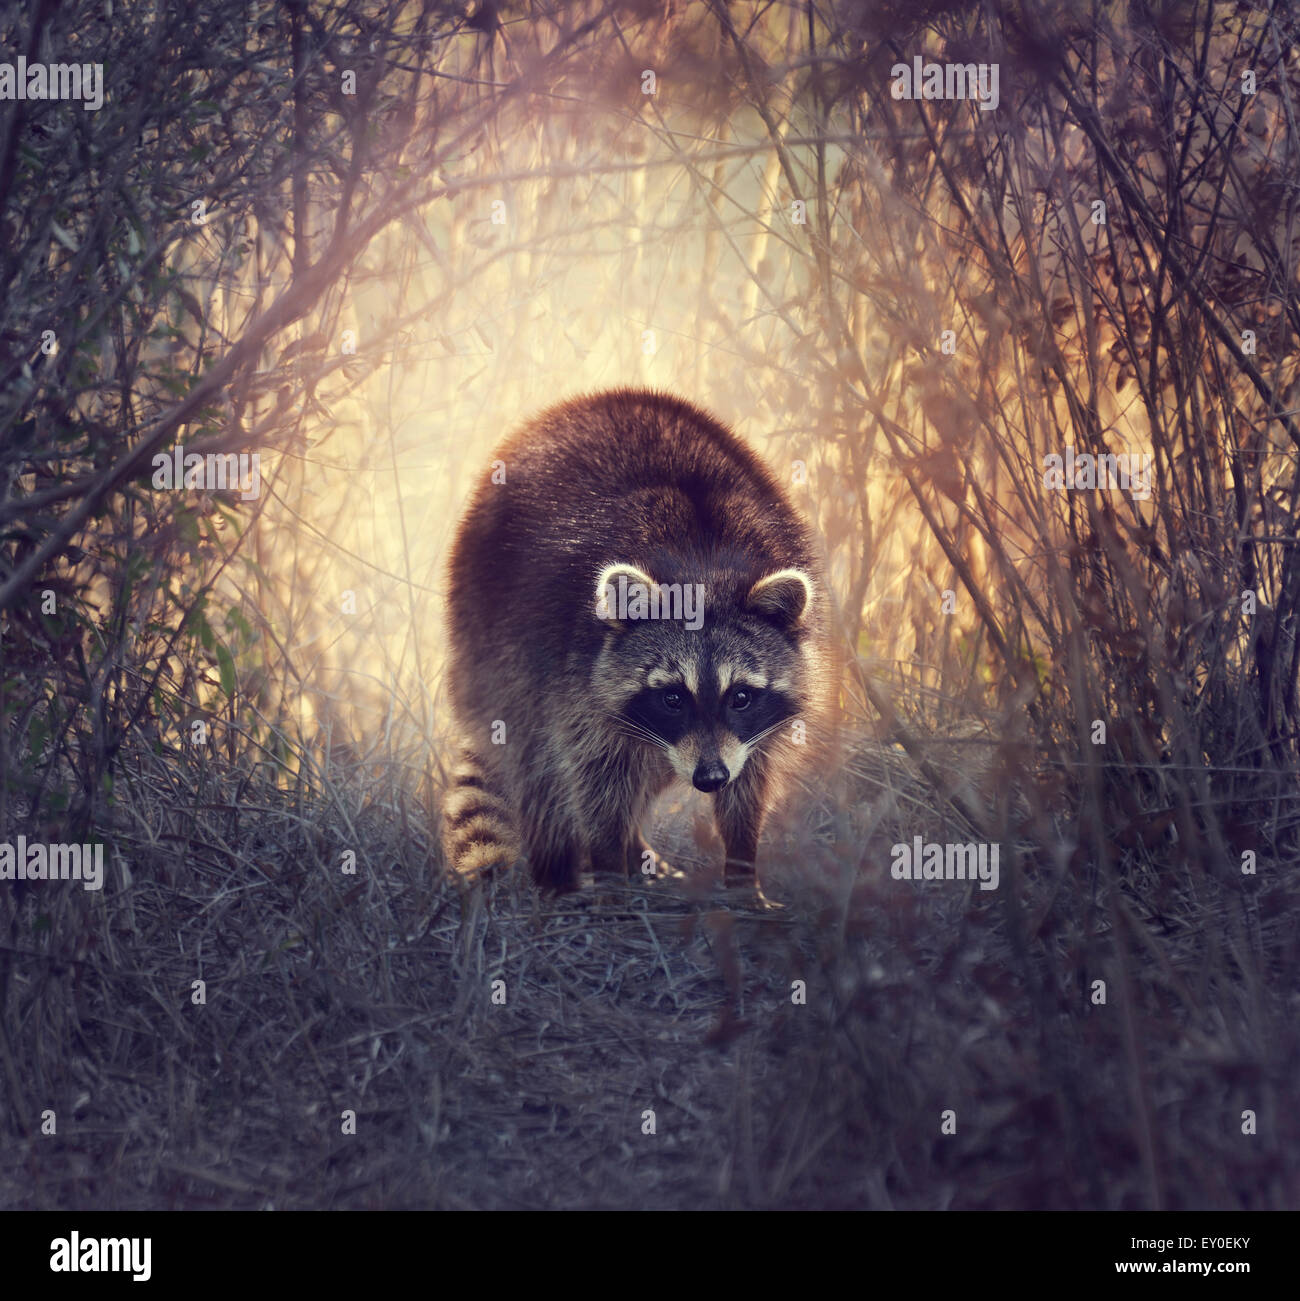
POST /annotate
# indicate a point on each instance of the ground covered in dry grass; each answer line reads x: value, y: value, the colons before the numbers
x: 377, y: 993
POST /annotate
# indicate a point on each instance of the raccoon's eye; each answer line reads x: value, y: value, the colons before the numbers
x: 741, y: 699
x: 672, y: 700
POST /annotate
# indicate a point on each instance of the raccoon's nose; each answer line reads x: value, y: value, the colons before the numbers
x: 710, y: 775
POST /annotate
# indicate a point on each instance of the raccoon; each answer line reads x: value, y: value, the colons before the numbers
x: 632, y: 600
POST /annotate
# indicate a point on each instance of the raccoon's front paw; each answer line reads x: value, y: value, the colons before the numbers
x: 742, y: 891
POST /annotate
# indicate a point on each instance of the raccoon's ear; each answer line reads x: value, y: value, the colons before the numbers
x: 784, y: 596
x: 609, y: 582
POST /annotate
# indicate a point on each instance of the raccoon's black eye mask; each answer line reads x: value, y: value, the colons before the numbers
x: 766, y: 710
x: 671, y: 712
x: 655, y: 708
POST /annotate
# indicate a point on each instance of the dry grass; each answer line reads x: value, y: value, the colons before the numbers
x: 374, y: 993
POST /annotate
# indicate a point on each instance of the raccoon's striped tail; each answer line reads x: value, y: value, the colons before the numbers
x: 478, y: 833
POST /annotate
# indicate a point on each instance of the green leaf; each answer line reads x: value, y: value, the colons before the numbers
x: 37, y: 732
x: 207, y: 638
x: 226, y: 665
x: 235, y: 622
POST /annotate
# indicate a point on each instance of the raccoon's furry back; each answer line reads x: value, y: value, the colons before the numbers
x: 628, y: 476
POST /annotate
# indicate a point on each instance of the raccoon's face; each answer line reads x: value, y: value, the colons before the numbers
x: 709, y: 694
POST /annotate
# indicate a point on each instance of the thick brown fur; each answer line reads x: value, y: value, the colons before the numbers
x: 572, y: 718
